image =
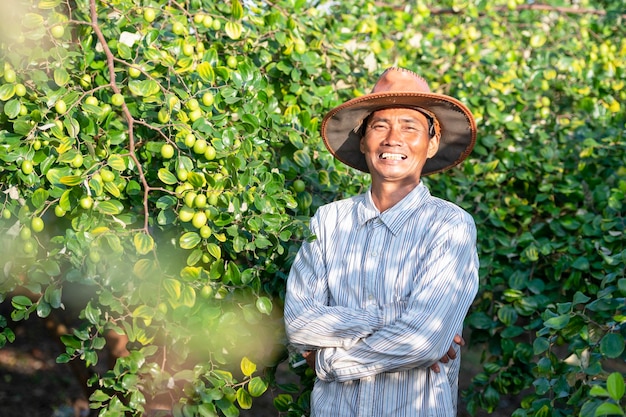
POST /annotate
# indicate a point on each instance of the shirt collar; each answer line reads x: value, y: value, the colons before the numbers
x: 394, y: 217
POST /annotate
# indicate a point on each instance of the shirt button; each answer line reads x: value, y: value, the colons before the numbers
x: 370, y: 297
x: 374, y: 254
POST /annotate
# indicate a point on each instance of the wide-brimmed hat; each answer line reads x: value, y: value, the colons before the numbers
x: 342, y: 127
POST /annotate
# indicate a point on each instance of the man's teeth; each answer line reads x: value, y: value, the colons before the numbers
x: 394, y: 156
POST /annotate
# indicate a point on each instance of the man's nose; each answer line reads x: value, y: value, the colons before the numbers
x: 394, y: 136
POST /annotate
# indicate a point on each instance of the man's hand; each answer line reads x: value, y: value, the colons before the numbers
x: 451, y: 354
x: 309, y: 356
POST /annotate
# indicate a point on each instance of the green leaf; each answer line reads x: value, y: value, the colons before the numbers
x: 6, y: 92
x: 244, y: 399
x: 61, y: 76
x: 264, y: 305
x: 39, y: 198
x: 247, y: 366
x: 257, y: 386
x: 92, y: 314
x: 143, y: 243
x: 188, y: 296
x: 609, y: 409
x: 110, y: 207
x: 71, y: 180
x: 612, y: 345
x: 116, y: 162
x: 236, y: 10
x: 205, y: 71
x: 144, y: 88
x: 12, y: 108
x: 143, y: 312
x: 167, y: 177
x: 558, y: 322
x: 21, y: 301
x: 145, y: 268
x: 615, y: 386
x: 189, y: 240
x: 233, y: 30
x: 190, y: 273
x: 214, y: 250
x: 302, y: 158
x: 51, y: 267
x: 173, y: 288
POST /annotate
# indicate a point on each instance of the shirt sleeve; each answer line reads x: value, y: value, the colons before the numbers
x: 443, y: 292
x: 309, y: 322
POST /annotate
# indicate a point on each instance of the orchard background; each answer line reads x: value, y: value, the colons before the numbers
x: 160, y: 161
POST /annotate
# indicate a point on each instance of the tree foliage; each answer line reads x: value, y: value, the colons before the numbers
x: 160, y: 160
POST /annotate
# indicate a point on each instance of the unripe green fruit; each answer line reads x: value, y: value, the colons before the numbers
x: 86, y: 202
x: 210, y: 153
x: 107, y: 176
x: 6, y: 214
x: 206, y: 292
x: 60, y: 106
x: 200, y: 146
x: 178, y: 28
x: 163, y: 116
x: 10, y: 76
x: 190, y: 140
x: 200, y: 201
x: 20, y: 90
x: 207, y: 22
x: 193, y: 104
x: 58, y: 211
x: 189, y: 198
x: 149, y: 14
x: 188, y: 49
x: 77, y: 162
x: 167, y: 151
x: 185, y: 214
x: 134, y: 72
x: 25, y: 233
x: 199, y: 219
x: 205, y: 232
x: 198, y: 18
x: 91, y: 100
x: 208, y: 99
x: 57, y: 31
x: 29, y: 247
x: 299, y: 186
x: 36, y: 224
x: 27, y: 167
x: 117, y: 99
x: 195, y: 115
x: 182, y: 174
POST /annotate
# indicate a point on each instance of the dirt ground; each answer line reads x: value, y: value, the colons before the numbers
x: 32, y: 384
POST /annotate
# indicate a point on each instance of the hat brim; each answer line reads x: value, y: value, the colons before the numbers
x: 341, y: 127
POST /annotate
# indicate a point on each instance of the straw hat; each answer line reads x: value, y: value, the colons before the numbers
x: 397, y: 87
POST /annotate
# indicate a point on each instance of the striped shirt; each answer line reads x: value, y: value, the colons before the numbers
x: 380, y: 296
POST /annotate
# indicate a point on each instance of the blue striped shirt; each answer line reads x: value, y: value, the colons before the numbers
x: 380, y: 296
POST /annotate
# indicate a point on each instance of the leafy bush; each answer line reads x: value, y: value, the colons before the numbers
x: 160, y: 162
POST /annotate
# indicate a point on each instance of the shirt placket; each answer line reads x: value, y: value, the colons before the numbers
x: 372, y: 262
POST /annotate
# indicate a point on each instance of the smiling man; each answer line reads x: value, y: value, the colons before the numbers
x: 376, y: 302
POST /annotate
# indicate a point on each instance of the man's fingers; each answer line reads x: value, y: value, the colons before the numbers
x: 458, y: 339
x: 435, y: 368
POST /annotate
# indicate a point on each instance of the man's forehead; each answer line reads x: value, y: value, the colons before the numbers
x: 401, y: 113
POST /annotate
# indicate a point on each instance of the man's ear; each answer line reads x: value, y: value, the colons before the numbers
x: 433, y: 146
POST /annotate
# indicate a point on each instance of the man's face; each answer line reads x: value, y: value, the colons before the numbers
x: 396, y: 145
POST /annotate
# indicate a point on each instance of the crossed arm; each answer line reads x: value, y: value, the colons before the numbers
x: 352, y: 343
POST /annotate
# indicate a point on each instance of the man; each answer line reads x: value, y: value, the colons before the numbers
x: 377, y: 300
